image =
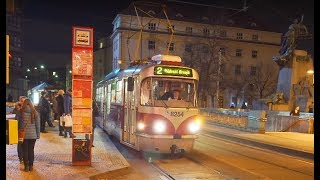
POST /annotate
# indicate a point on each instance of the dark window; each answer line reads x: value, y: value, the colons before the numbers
x: 152, y: 26
x: 237, y: 70
x: 223, y: 33
x: 189, y: 30
x: 254, y: 54
x: 188, y: 48
x: 239, y: 36
x: 171, y: 48
x: 206, y: 32
x: 238, y: 52
x: 253, y: 70
x: 255, y: 37
x: 151, y: 45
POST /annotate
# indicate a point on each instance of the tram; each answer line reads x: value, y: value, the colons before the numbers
x: 151, y: 107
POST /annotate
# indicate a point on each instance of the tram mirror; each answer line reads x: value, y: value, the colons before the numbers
x: 130, y: 84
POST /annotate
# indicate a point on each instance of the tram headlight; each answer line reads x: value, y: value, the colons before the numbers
x: 194, y: 126
x: 141, y: 126
x: 159, y: 127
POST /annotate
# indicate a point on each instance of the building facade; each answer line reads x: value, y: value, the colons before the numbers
x: 14, y: 28
x: 102, y: 60
x: 233, y: 56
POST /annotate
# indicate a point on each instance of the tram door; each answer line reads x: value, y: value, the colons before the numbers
x: 129, y: 115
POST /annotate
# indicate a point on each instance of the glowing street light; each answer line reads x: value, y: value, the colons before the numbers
x: 42, y: 66
x: 28, y: 70
x: 35, y: 68
x: 310, y: 71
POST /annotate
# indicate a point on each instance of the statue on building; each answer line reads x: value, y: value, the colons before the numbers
x: 289, y: 43
x: 275, y: 98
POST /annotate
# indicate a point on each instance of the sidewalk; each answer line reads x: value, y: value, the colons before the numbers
x: 293, y: 143
x: 53, y: 158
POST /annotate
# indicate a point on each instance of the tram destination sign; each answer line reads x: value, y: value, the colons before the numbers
x: 172, y: 71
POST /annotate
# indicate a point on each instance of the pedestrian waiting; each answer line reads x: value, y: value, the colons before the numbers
x: 29, y: 120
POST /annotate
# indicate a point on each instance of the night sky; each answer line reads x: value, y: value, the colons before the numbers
x: 48, y: 24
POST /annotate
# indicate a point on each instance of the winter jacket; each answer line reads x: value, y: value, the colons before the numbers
x: 67, y: 103
x: 44, y: 106
x: 60, y: 104
x: 32, y: 131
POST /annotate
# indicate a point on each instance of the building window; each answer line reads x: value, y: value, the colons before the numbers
x: 223, y: 33
x: 189, y: 30
x: 168, y: 29
x: 255, y: 37
x: 223, y: 51
x: 254, y: 54
x: 239, y: 36
x: 238, y: 52
x: 253, y: 71
x: 206, y: 32
x: 237, y: 70
x: 188, y: 47
x: 171, y: 48
x: 151, y: 44
x: 152, y: 26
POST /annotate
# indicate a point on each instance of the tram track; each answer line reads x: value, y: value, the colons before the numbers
x: 162, y: 172
x: 259, y: 156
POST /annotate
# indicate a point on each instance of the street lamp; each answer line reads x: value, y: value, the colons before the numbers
x: 42, y: 67
x: 35, y: 68
x: 28, y: 70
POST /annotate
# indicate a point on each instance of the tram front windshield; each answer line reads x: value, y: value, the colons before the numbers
x: 168, y: 92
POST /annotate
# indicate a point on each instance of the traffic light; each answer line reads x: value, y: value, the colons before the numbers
x: 7, y: 59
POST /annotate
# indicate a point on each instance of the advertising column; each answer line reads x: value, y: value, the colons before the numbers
x: 82, y: 63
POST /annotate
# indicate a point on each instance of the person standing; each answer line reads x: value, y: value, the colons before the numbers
x: 60, y: 109
x: 55, y: 106
x: 28, y: 119
x: 311, y: 107
x: 67, y: 100
x: 44, y: 107
x: 295, y: 112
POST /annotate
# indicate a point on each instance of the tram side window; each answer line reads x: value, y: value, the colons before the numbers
x: 146, y: 93
x: 118, y: 92
x: 113, y: 92
x: 108, y: 98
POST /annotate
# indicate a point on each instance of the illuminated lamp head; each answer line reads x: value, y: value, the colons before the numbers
x: 159, y: 127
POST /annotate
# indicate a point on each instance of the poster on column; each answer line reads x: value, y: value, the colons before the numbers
x: 82, y: 62
x: 81, y: 119
x: 82, y: 93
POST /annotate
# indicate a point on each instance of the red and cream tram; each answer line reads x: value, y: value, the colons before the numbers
x: 151, y: 106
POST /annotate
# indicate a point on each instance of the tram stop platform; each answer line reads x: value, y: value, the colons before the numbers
x: 53, y: 158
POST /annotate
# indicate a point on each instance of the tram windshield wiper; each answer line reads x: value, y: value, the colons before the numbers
x: 164, y: 103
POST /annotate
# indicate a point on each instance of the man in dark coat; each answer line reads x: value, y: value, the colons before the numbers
x: 44, y: 106
x: 60, y: 109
